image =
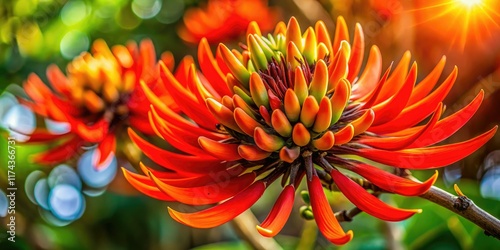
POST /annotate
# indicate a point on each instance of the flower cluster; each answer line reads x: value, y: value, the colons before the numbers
x: 296, y: 106
x: 98, y: 98
x: 221, y: 20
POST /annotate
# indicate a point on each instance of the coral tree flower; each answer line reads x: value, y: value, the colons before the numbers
x: 98, y: 97
x: 295, y: 106
x: 221, y: 20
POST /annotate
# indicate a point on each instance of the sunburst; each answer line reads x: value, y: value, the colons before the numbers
x: 462, y: 22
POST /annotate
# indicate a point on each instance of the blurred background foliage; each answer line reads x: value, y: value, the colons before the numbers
x: 37, y: 33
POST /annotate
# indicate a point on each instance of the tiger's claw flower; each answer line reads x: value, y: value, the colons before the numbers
x: 221, y: 20
x: 295, y: 105
x: 98, y: 97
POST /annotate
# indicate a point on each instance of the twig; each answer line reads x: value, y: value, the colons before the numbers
x: 245, y: 226
x: 345, y: 215
x: 465, y: 207
x: 461, y: 205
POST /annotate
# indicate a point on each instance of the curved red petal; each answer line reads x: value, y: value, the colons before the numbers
x: 391, y: 182
x: 144, y: 185
x: 400, y: 142
x: 449, y: 125
x: 200, y: 180
x: 222, y: 213
x: 191, y: 106
x: 223, y: 151
x: 430, y: 157
x: 106, y: 147
x: 367, y: 202
x: 279, y: 214
x: 323, y: 214
x: 390, y: 108
x: 210, y: 193
x: 425, y: 86
x: 370, y: 76
x: 60, y: 153
x: 178, y: 162
x: 43, y: 135
x: 415, y: 113
x: 210, y: 68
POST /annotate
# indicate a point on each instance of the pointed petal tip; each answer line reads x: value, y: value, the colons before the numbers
x: 344, y: 239
x: 264, y: 232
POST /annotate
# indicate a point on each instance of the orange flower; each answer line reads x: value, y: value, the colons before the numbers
x: 98, y: 97
x: 221, y: 20
x: 295, y: 106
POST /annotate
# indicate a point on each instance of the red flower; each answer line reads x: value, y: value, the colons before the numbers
x: 98, y: 97
x: 295, y: 106
x: 221, y: 20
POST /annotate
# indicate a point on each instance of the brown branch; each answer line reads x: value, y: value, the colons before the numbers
x: 466, y: 208
x: 461, y: 205
x: 347, y: 215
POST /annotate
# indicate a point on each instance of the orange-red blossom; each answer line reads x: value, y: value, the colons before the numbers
x: 99, y: 97
x: 296, y: 106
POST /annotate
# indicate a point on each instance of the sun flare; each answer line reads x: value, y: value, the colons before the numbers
x: 461, y: 22
x: 470, y: 3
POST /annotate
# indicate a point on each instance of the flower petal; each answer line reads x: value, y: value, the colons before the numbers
x: 43, y: 135
x: 449, y: 125
x: 267, y: 142
x: 425, y: 86
x: 367, y: 202
x: 144, y: 185
x: 323, y: 214
x: 59, y: 154
x: 370, y: 76
x: 222, y: 114
x: 279, y: 214
x: 210, y: 68
x: 223, y: 151
x: 177, y: 162
x: 106, y: 147
x: 252, y: 153
x: 358, y: 49
x: 223, y: 212
x: 391, y: 182
x: 390, y: 108
x: 415, y: 113
x: 430, y: 157
x: 210, y: 193
x: 400, y: 142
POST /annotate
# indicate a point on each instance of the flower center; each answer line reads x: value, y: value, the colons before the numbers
x: 98, y: 88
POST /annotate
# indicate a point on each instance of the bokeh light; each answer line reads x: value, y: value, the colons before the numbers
x: 74, y: 12
x: 96, y: 176
x: 64, y: 174
x: 171, y: 11
x: 73, y: 43
x: 146, y: 9
x: 20, y: 121
x: 57, y: 127
x: 66, y: 202
x: 490, y: 182
x: 4, y: 204
x: 30, y: 182
x: 41, y: 192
